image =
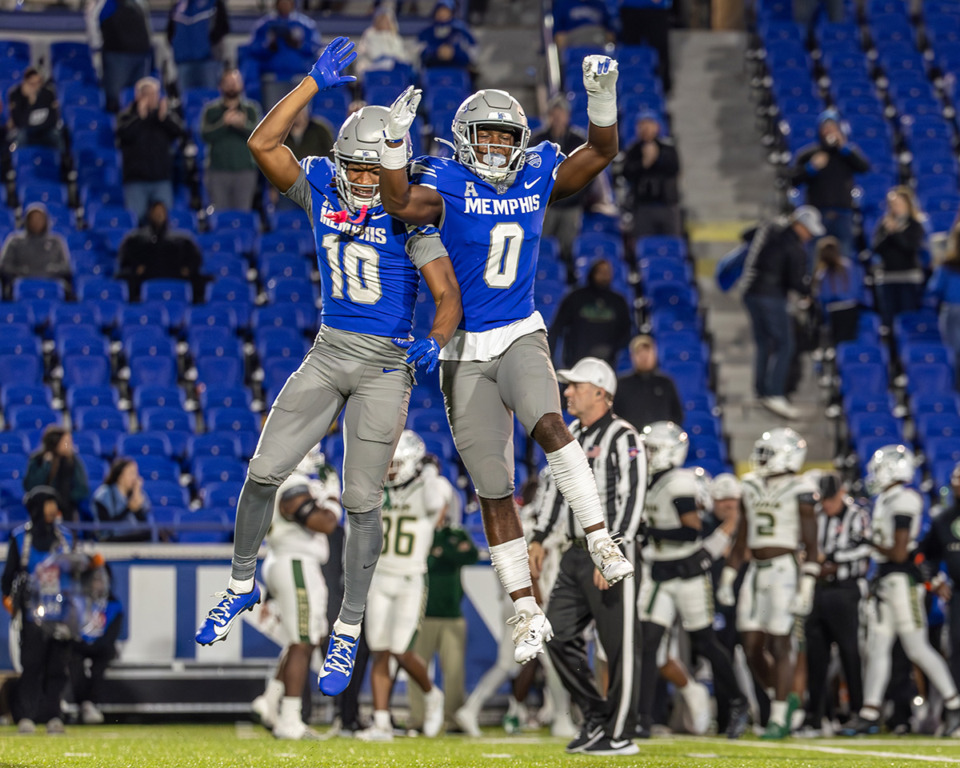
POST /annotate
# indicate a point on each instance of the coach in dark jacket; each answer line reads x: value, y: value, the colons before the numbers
x: 828, y: 168
x: 651, y: 168
x: 648, y: 394
x: 775, y: 265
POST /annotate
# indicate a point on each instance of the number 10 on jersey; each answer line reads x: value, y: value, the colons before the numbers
x: 361, y: 268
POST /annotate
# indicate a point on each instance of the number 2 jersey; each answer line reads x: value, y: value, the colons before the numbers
x: 772, y: 506
x: 410, y: 515
x: 492, y: 233
x: 368, y: 273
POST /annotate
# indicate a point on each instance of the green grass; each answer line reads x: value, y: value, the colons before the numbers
x: 225, y: 746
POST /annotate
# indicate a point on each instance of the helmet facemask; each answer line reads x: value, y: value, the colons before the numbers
x: 491, y: 110
x: 360, y: 143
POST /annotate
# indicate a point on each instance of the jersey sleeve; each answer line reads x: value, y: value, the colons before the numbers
x: 316, y: 173
x: 547, y: 156
x: 299, y: 193
x: 907, y: 503
x: 423, y: 171
x: 423, y: 245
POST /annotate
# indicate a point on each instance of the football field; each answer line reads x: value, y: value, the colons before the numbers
x: 243, y: 746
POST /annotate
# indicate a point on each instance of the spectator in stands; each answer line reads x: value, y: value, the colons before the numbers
x: 776, y: 264
x: 448, y: 42
x: 944, y: 289
x: 120, y: 31
x: 828, y: 169
x: 647, y: 22
x: 121, y: 501
x: 195, y: 31
x: 563, y: 217
x: 56, y: 464
x: 381, y: 46
x: 839, y: 289
x: 651, y: 168
x: 147, y: 130
x: 592, y: 321
x: 309, y: 136
x: 35, y: 251
x: 583, y: 23
x: 804, y: 11
x: 648, y: 394
x: 897, y: 243
x: 226, y: 125
x: 87, y: 679
x: 34, y: 112
x: 287, y: 44
x: 153, y: 251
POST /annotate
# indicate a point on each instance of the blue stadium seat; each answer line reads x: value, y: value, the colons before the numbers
x: 291, y: 290
x: 144, y: 444
x: 218, y: 341
x: 112, y: 217
x: 158, y: 396
x: 868, y: 402
x: 155, y: 467
x: 14, y: 444
x: 19, y: 340
x: 942, y: 449
x: 178, y: 425
x: 12, y: 467
x: 20, y: 369
x: 12, y: 312
x: 860, y: 352
x: 96, y: 468
x: 39, y: 293
x: 166, y: 493
x: 217, y: 469
x: 929, y: 378
x: 219, y: 243
x: 100, y: 417
x: 225, y: 397
x: 168, y: 291
x: 276, y: 371
x: 219, y: 494
x: 935, y: 425
x: 32, y: 418
x: 219, y: 444
x: 87, y: 442
x: 925, y: 352
x: 235, y: 291
x: 219, y: 371
x: 280, y: 342
x: 149, y: 371
x: 86, y: 371
x: 219, y: 265
x: 147, y: 341
x: 865, y: 377
x: 935, y: 402
x: 207, y: 316
x: 232, y: 420
x: 878, y: 424
x: 146, y: 315
x: 283, y: 265
x: 84, y: 396
x: 80, y: 340
x: 203, y: 526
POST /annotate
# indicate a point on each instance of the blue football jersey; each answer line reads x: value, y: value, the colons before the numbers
x: 493, y: 237
x: 368, y: 282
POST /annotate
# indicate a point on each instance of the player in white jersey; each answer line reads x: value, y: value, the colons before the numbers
x: 779, y: 509
x: 414, y: 497
x: 680, y: 582
x: 895, y: 607
x: 307, y: 507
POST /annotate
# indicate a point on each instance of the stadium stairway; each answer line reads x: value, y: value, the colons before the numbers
x: 727, y: 186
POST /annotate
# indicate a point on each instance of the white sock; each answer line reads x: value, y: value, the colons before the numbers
x: 527, y: 605
x: 290, y: 708
x: 778, y: 712
x: 571, y: 473
x: 952, y: 703
x: 350, y: 630
x: 273, y: 693
x: 512, y: 564
x: 240, y: 586
x: 381, y: 720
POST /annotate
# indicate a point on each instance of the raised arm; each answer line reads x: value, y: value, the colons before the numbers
x: 412, y: 203
x: 588, y: 160
x: 277, y: 162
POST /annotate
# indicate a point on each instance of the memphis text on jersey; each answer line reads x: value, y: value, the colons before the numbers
x: 376, y: 235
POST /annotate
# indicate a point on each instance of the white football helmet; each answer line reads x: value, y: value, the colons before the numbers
x: 778, y: 451
x: 889, y: 465
x: 361, y: 141
x: 313, y: 463
x: 725, y: 486
x: 497, y: 109
x: 406, y: 459
x: 667, y: 446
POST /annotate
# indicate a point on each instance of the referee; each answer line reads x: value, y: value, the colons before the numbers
x: 616, y: 455
x: 842, y: 532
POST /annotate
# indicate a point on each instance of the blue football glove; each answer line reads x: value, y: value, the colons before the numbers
x: 422, y: 353
x: 335, y: 57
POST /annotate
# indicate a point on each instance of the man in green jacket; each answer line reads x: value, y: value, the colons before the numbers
x: 443, y: 629
x: 226, y: 125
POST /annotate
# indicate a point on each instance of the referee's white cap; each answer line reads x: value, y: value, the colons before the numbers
x: 591, y: 370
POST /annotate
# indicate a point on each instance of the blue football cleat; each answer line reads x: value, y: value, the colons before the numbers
x: 338, y: 664
x: 218, y: 622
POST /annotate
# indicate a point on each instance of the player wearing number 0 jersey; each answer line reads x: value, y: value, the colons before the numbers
x: 361, y: 361
x: 779, y: 509
x: 488, y: 203
x: 413, y: 500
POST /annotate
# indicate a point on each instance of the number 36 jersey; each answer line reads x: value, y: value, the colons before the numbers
x: 368, y: 274
x: 772, y: 506
x: 492, y: 233
x: 410, y: 515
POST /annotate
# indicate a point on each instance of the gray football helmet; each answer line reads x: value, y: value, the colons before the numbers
x: 407, y: 459
x: 667, y: 446
x: 361, y: 141
x: 778, y: 451
x: 497, y: 109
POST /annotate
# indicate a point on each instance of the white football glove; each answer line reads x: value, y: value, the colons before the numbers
x: 402, y: 113
x: 725, y: 594
x: 600, y: 81
x: 802, y: 602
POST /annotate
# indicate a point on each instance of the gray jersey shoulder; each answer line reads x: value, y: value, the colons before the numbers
x: 300, y: 193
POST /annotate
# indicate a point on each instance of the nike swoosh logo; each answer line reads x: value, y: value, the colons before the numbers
x: 529, y: 184
x: 369, y: 565
x: 390, y: 370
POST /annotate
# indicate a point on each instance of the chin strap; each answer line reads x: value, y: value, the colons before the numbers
x: 342, y: 217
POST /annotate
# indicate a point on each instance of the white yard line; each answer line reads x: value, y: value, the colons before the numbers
x: 829, y: 750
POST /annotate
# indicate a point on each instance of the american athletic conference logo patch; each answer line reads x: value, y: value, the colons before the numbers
x: 533, y: 160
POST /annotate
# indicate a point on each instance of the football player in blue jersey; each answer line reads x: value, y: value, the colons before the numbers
x: 488, y: 202
x: 362, y: 360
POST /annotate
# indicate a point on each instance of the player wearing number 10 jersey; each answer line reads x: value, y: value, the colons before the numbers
x: 358, y: 363
x: 488, y: 203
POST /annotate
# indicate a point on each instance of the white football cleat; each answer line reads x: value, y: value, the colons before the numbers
x: 697, y: 699
x: 610, y: 561
x: 433, y: 713
x: 261, y: 708
x: 467, y: 720
x: 529, y: 635
x: 373, y: 734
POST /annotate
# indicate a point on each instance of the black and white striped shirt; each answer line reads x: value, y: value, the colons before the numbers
x: 619, y: 463
x: 843, y: 539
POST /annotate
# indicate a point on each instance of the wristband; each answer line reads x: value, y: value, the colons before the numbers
x: 602, y: 110
x: 393, y: 158
x: 716, y: 543
x: 811, y: 569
